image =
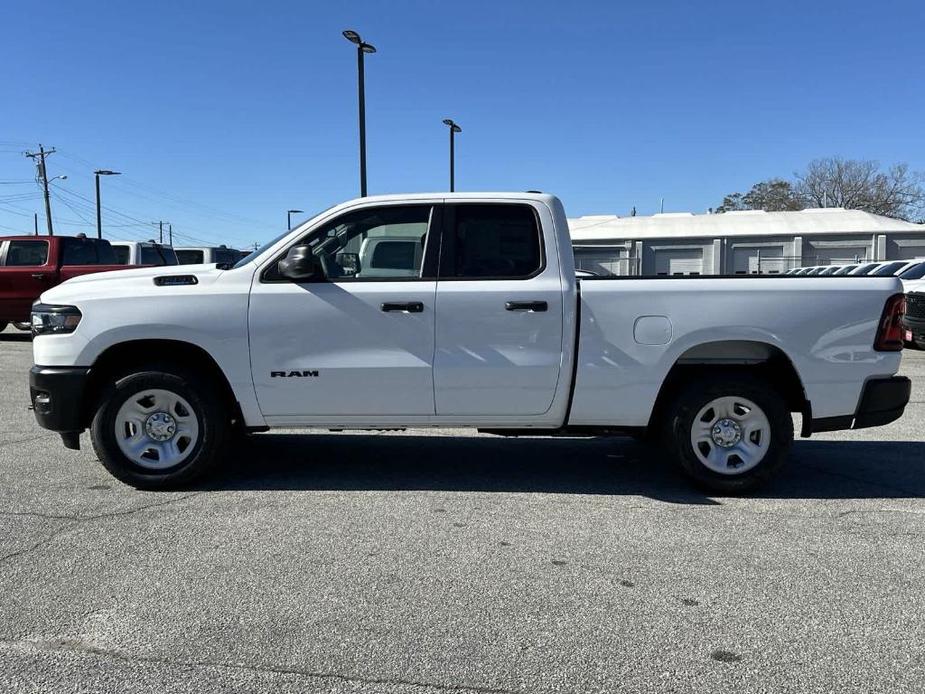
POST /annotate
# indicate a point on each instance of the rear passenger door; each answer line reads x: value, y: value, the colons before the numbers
x: 498, y: 312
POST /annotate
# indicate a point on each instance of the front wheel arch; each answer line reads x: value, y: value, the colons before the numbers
x: 122, y: 358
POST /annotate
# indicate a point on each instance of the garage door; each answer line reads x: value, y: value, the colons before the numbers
x: 910, y: 252
x: 679, y: 261
x: 765, y: 260
x: 603, y: 261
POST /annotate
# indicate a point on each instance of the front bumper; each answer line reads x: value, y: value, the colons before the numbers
x: 57, y: 395
x: 882, y: 401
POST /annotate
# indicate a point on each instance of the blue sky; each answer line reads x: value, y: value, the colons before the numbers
x: 225, y: 114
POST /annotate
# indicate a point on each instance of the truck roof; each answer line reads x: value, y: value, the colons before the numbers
x: 398, y: 197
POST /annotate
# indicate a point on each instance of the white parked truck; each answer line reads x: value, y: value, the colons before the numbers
x: 491, y: 329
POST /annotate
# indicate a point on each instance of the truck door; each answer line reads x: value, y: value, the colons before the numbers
x: 360, y: 342
x: 499, y: 313
x: 24, y: 274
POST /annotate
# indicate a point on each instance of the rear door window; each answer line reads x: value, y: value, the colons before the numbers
x: 491, y: 241
x: 78, y: 251
x: 24, y: 253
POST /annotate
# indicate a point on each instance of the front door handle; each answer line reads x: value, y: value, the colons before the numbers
x: 525, y: 306
x: 38, y: 275
x: 407, y: 307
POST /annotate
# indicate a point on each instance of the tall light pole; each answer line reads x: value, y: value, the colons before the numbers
x: 289, y: 214
x: 99, y: 215
x: 454, y: 128
x: 362, y: 48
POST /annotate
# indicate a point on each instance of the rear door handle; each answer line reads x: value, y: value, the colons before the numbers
x: 407, y: 307
x: 525, y: 306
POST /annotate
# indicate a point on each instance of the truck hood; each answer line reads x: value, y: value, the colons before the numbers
x: 137, y: 282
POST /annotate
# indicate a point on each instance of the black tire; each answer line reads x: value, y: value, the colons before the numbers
x: 918, y: 343
x: 212, y: 417
x: 3, y: 325
x: 25, y: 326
x: 695, y: 396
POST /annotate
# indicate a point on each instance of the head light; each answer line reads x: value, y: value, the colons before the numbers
x: 54, y: 320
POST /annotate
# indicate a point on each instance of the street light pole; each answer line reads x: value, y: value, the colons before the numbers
x: 289, y: 214
x: 362, y: 48
x: 99, y: 215
x: 454, y: 128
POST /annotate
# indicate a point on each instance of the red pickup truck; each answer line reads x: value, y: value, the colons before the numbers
x: 31, y: 264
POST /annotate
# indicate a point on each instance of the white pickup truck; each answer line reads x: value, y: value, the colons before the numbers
x: 491, y: 330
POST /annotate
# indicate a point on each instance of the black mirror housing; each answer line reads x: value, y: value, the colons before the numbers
x: 300, y: 265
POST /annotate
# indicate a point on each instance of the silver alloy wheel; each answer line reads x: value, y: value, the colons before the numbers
x: 156, y: 429
x: 731, y: 435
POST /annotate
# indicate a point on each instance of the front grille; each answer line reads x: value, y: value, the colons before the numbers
x: 915, y: 306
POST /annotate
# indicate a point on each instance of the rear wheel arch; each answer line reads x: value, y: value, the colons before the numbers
x: 724, y: 359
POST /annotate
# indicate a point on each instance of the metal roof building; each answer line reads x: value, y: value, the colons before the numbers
x: 748, y: 242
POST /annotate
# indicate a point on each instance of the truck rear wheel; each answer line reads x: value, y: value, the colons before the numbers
x: 731, y: 435
x: 159, y: 428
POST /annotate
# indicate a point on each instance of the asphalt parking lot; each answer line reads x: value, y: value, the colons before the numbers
x: 431, y: 562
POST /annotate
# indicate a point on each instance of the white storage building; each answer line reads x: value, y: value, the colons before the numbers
x: 748, y: 242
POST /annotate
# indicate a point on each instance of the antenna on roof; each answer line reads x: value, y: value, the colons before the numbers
x: 661, y: 207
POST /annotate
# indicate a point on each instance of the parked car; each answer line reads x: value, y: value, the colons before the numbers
x: 845, y: 270
x: 143, y: 253
x: 190, y: 255
x: 889, y: 269
x: 830, y: 270
x: 913, y: 278
x: 914, y: 319
x: 492, y: 331
x: 29, y: 265
x: 864, y: 269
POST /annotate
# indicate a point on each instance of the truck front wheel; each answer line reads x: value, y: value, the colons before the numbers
x: 159, y: 428
x: 729, y: 435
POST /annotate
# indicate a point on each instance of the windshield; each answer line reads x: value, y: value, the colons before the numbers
x: 258, y: 251
x: 916, y: 272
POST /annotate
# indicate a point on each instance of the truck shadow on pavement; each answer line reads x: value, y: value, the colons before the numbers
x: 617, y: 466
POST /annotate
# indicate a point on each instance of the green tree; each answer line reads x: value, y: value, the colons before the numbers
x: 773, y: 195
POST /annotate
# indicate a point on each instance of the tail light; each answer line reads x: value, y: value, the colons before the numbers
x: 890, y: 331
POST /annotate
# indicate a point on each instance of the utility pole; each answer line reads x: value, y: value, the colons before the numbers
x: 35, y: 219
x: 39, y: 158
x: 169, y: 234
x: 160, y: 230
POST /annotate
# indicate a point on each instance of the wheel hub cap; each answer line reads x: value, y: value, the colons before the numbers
x: 726, y: 433
x: 160, y: 426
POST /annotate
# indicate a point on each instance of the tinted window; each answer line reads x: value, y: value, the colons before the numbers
x: 916, y: 272
x: 226, y: 256
x: 153, y: 254
x: 492, y: 240
x: 77, y: 251
x: 27, y: 253
x: 190, y: 257
x: 121, y: 254
x: 393, y: 255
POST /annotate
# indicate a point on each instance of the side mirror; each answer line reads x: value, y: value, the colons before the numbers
x: 350, y: 262
x: 300, y: 265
